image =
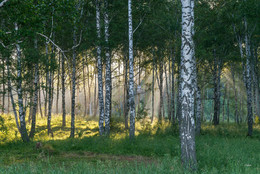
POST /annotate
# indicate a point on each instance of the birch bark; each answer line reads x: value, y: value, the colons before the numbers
x: 99, y: 66
x: 108, y: 71
x: 248, y: 82
x: 131, y: 72
x: 187, y: 123
x: 23, y: 131
x: 73, y: 96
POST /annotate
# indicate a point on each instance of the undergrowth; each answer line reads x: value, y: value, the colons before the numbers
x: 156, y: 148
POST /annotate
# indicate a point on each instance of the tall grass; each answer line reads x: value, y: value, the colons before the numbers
x: 156, y: 149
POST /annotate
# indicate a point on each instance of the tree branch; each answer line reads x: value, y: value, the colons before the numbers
x: 3, y: 2
x: 141, y: 21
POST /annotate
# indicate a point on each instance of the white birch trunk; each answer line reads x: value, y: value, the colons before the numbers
x: 108, y: 72
x: 99, y: 66
x: 248, y: 83
x: 73, y: 96
x: 187, y: 123
x: 24, y: 133
x: 131, y: 72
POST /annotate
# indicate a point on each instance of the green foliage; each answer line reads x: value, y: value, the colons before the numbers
x: 257, y: 120
x: 3, y: 129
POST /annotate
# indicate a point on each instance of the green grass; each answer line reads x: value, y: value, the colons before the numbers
x: 221, y: 149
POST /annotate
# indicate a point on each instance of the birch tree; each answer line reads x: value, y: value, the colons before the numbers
x: 131, y: 72
x: 23, y: 130
x: 72, y: 132
x: 248, y: 80
x: 108, y: 71
x: 100, y: 73
x: 187, y: 123
x: 35, y: 97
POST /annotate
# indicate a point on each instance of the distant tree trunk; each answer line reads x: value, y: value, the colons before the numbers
x: 170, y: 88
x: 89, y: 94
x: 108, y: 71
x: 52, y: 82
x: 84, y: 87
x: 257, y: 89
x: 138, y: 83
x: 8, y: 105
x: 173, y: 88
x: 63, y: 91
x: 58, y: 88
x: 46, y: 87
x: 160, y: 89
x: 25, y: 101
x: 198, y: 110
x: 11, y: 94
x: 95, y: 97
x: 179, y: 103
x: 131, y: 72
x: 126, y: 94
x: 167, y: 92
x: 153, y: 89
x: 227, y: 104
x: 35, y: 97
x: 100, y: 74
x: 72, y: 131
x: 3, y: 104
x: 197, y: 97
x: 187, y: 123
x: 254, y: 64
x: 23, y: 131
x: 235, y: 91
x: 224, y: 102
x: 241, y: 109
x: 49, y: 78
x: 216, y: 90
x: 39, y: 98
x: 219, y: 94
x: 31, y: 94
x: 242, y: 112
x: 248, y: 82
x: 197, y: 92
x: 202, y: 104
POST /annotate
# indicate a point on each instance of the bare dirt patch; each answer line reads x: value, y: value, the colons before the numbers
x: 104, y: 157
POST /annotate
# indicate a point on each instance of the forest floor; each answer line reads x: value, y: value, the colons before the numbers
x: 156, y: 149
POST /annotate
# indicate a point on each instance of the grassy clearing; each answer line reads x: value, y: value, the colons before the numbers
x: 156, y: 149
